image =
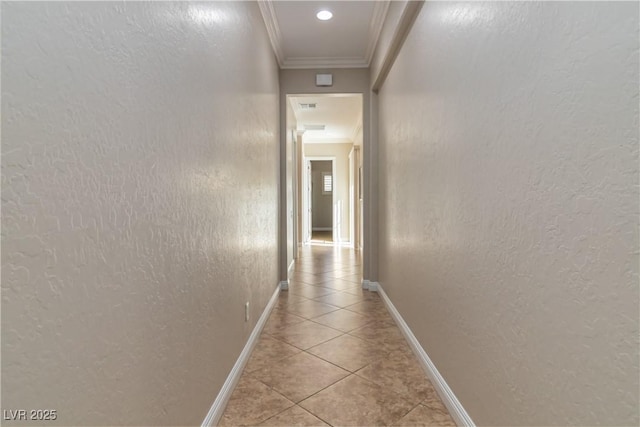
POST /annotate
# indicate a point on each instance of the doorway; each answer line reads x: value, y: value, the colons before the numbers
x: 320, y: 194
x: 328, y: 128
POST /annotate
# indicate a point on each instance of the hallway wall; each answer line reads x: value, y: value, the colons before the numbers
x: 139, y: 205
x: 509, y: 206
x: 287, y: 188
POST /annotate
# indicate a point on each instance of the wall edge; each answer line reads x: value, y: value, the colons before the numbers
x: 220, y: 403
x: 457, y: 411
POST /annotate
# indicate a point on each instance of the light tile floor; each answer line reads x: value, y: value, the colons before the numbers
x: 330, y: 354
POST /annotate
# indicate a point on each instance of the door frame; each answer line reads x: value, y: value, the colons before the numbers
x: 355, y: 198
x: 307, y: 197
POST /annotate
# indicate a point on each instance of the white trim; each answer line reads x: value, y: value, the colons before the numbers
x: 273, y: 29
x: 293, y: 262
x: 219, y: 405
x: 275, y: 37
x: 324, y: 62
x: 457, y: 411
x: 322, y: 140
x: 369, y: 285
x: 356, y: 129
x: 375, y: 27
x: 334, y: 196
x: 284, y: 285
x: 408, y: 17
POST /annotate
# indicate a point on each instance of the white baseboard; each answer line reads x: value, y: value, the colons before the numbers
x: 219, y: 405
x: 458, y: 413
x: 293, y: 263
x: 369, y: 285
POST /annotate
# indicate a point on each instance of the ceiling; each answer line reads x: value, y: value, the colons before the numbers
x: 341, y: 114
x: 300, y: 40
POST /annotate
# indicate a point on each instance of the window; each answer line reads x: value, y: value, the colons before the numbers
x: 327, y: 183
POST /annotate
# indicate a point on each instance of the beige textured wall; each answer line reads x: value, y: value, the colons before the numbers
x: 509, y: 206
x: 139, y: 205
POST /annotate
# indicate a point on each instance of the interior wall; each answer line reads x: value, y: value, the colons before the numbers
x: 322, y: 205
x: 300, y: 171
x: 358, y: 202
x: 389, y: 27
x: 341, y: 182
x: 509, y: 206
x: 139, y: 205
x: 288, y: 219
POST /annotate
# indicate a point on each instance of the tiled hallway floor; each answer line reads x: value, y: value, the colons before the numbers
x: 331, y: 354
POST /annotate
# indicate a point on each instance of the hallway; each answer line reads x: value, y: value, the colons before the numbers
x: 157, y: 185
x: 331, y: 354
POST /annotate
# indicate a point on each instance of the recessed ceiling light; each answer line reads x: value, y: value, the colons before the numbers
x: 324, y: 15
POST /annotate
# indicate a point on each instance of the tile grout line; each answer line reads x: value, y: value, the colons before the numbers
x: 275, y: 391
x: 368, y: 316
x: 349, y: 373
x: 401, y: 397
x: 302, y: 349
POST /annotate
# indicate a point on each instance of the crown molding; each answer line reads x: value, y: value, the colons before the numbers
x: 356, y: 129
x: 320, y: 140
x: 301, y: 62
x: 273, y: 29
x: 275, y: 37
x: 407, y: 18
x: 375, y: 27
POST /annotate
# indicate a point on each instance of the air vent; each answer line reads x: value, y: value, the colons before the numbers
x: 314, y: 127
x: 307, y: 106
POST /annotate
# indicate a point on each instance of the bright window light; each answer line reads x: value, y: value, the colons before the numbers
x: 327, y: 183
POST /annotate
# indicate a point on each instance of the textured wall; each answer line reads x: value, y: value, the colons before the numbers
x: 509, y: 206
x: 139, y: 205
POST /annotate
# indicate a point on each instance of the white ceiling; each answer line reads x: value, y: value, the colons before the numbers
x: 300, y: 40
x: 341, y: 114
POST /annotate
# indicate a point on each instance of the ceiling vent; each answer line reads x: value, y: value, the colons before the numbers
x: 307, y: 106
x: 314, y: 127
